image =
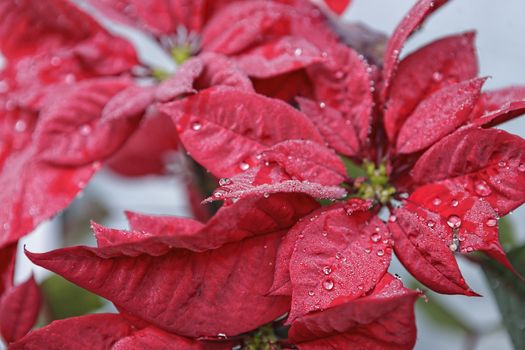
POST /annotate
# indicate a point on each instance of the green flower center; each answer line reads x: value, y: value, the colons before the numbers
x: 375, y: 183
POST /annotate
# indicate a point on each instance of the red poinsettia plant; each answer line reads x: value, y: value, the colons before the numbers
x: 329, y: 160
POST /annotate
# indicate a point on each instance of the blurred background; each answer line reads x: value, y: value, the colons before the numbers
x: 451, y: 322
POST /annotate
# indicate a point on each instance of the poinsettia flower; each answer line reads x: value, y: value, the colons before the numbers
x: 442, y: 191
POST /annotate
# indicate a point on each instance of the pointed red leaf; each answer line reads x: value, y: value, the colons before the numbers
x: 19, y: 307
x: 493, y: 170
x: 27, y: 199
x: 382, y: 320
x: 90, y: 121
x: 307, y: 161
x: 498, y: 106
x: 191, y: 294
x: 236, y: 126
x: 410, y: 23
x: 343, y: 82
x: 438, y: 115
x: 248, y: 217
x: 440, y: 63
x: 264, y: 180
x: 102, y: 331
x: 337, y: 254
x: 279, y: 57
x: 422, y: 244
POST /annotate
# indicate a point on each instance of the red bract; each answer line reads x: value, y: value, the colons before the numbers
x: 20, y: 304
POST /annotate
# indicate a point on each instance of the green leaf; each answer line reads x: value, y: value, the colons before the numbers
x: 509, y: 291
x: 353, y: 170
x: 506, y: 233
x: 64, y: 299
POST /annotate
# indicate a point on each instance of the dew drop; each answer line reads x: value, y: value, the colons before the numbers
x: 266, y: 195
x: 324, y: 233
x: 403, y: 195
x: 482, y: 188
x: 436, y: 201
x: 368, y: 250
x: 222, y: 336
x: 375, y: 237
x: 311, y: 293
x: 469, y: 249
x: 455, y: 203
x: 502, y: 163
x: 491, y: 222
x: 380, y: 252
x: 219, y: 194
x: 392, y: 218
x: 339, y: 75
x: 298, y: 51
x: 20, y: 125
x: 55, y: 61
x: 338, y: 255
x: 454, y: 221
x: 322, y: 105
x: 430, y: 223
x: 85, y: 130
x: 70, y: 78
x: 437, y: 76
x: 360, y: 287
x: 244, y: 166
x: 328, y: 284
x: 521, y: 167
x: 453, y: 247
x: 327, y: 270
x: 196, y: 126
x: 225, y: 181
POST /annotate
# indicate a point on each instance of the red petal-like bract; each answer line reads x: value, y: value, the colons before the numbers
x: 278, y: 57
x: 92, y: 120
x: 382, y: 320
x: 19, y: 307
x: 423, y: 249
x: 466, y: 185
x: 498, y: 106
x: 155, y: 235
x: 187, y: 293
x: 225, y: 129
x: 438, y: 115
x: 410, y: 23
x: 337, y: 254
x: 307, y: 160
x: 443, y: 62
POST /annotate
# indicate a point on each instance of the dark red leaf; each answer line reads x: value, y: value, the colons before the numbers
x: 442, y: 62
x: 90, y: 121
x: 7, y: 266
x: 148, y: 149
x: 236, y: 126
x: 337, y: 255
x: 382, y: 320
x: 187, y: 293
x: 498, y: 106
x: 19, y: 307
x: 307, y: 161
x: 424, y: 245
x: 438, y: 115
x: 410, y: 23
x: 277, y: 57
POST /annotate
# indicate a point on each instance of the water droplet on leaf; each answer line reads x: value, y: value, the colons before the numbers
x: 328, y: 284
x: 454, y: 221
